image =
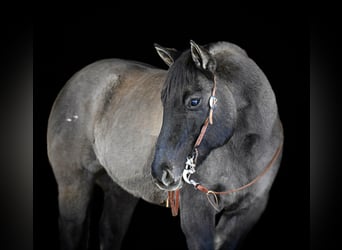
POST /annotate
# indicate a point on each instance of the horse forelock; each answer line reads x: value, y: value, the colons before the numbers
x: 181, y: 75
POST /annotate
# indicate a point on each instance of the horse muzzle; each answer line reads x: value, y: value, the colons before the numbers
x: 167, y: 179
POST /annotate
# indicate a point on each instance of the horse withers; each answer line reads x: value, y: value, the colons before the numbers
x: 206, y: 132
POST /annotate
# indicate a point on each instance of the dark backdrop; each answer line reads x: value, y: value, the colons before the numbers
x: 66, y: 41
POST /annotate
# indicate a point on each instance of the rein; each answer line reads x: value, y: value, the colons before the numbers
x: 190, y: 166
x: 212, y: 195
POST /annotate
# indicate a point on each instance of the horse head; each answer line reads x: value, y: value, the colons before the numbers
x: 185, y: 96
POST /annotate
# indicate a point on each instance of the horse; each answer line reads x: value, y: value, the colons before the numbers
x: 204, y: 137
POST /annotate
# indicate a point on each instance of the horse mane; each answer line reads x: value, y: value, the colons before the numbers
x: 226, y: 47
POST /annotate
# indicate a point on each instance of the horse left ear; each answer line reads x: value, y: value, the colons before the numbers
x: 167, y: 54
x: 202, y: 58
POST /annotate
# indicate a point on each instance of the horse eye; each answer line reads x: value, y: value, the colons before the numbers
x: 194, y: 102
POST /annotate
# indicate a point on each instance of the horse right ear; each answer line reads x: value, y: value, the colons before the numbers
x: 167, y: 54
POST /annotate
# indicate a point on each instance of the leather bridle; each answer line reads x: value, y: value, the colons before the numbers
x: 190, y: 165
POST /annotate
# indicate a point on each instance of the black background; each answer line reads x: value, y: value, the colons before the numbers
x: 66, y: 41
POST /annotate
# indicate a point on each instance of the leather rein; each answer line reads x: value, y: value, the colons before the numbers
x: 190, y: 166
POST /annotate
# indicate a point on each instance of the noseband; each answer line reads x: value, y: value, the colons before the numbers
x: 190, y: 165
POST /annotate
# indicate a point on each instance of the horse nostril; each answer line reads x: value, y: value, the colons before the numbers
x: 167, y: 177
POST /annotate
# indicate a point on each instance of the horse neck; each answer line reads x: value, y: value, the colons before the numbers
x: 257, y: 124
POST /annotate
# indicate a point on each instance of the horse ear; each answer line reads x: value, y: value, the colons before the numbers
x: 167, y: 54
x: 202, y: 58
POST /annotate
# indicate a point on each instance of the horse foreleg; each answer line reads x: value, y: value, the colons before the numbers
x: 233, y: 226
x: 197, y: 219
x: 118, y: 208
x: 74, y: 194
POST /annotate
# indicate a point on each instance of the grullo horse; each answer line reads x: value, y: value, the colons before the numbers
x: 203, y: 136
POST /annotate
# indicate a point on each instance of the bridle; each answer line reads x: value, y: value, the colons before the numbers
x: 190, y: 165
